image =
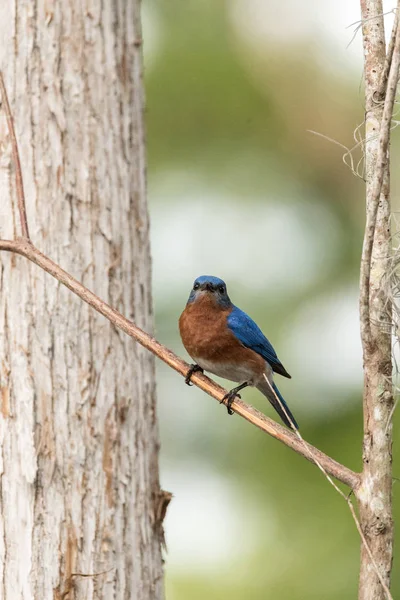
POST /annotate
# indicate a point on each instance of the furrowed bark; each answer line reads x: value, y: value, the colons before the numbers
x: 375, y: 492
x: 79, y: 490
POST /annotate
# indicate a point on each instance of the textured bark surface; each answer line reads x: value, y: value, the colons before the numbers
x: 78, y: 428
x: 375, y: 492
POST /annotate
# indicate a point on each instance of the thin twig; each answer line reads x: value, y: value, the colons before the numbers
x: 364, y: 541
x: 360, y: 23
x: 339, y: 491
x: 348, y: 153
x: 380, y: 94
x: 337, y: 470
x: 381, y: 165
x: 17, y: 163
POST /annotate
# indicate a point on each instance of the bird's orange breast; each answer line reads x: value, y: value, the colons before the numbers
x: 205, y: 334
x: 203, y: 327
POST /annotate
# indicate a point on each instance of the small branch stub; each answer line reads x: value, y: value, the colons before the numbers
x: 17, y: 162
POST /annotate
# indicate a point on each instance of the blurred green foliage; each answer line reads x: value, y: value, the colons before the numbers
x: 236, y: 120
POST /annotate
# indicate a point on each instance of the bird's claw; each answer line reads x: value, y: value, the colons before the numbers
x: 230, y: 397
x: 193, y: 369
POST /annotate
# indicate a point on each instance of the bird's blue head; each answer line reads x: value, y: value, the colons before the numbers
x: 211, y: 286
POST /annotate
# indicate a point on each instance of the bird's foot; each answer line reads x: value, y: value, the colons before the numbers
x: 230, y: 397
x: 193, y: 369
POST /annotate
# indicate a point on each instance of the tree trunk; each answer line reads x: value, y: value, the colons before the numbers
x: 78, y: 426
x: 375, y: 492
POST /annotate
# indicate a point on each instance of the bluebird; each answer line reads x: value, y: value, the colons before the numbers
x: 225, y: 341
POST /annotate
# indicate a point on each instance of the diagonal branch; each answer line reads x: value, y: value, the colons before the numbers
x: 337, y: 470
x: 24, y: 247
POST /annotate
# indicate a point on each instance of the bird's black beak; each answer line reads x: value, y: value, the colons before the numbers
x: 207, y: 287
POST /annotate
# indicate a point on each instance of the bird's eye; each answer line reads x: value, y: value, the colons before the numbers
x: 196, y: 286
x: 221, y: 289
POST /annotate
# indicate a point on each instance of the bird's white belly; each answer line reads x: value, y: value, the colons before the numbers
x: 233, y: 372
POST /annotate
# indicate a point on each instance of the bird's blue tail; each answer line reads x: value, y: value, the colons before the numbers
x: 287, y: 409
x: 286, y: 414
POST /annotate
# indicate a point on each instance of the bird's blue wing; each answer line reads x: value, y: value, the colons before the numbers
x: 251, y: 336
